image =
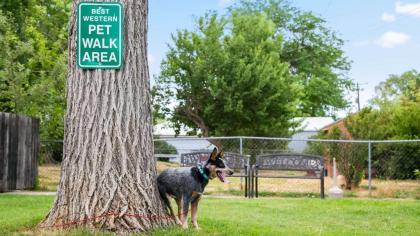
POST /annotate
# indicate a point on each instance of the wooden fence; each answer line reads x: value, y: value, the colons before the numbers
x: 19, y: 146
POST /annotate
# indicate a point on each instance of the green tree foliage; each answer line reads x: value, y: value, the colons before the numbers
x: 396, y: 116
x: 245, y: 73
x: 398, y: 99
x: 389, y: 160
x: 397, y: 88
x: 398, y: 106
x: 12, y: 49
x: 163, y: 147
x: 369, y: 124
x: 227, y: 78
x: 314, y: 54
x: 33, y: 53
x: 399, y: 121
x: 16, y: 10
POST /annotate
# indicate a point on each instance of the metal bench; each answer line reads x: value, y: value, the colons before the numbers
x: 313, y: 166
x: 239, y: 163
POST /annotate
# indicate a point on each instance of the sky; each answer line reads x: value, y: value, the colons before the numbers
x: 382, y: 37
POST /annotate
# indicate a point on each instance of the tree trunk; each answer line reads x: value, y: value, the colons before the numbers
x: 108, y: 174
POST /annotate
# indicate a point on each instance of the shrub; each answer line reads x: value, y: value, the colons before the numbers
x: 163, y: 147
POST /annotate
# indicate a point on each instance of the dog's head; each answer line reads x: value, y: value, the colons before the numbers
x: 217, y: 166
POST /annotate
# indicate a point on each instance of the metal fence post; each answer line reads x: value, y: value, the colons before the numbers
x: 240, y: 146
x: 370, y: 167
x: 246, y: 169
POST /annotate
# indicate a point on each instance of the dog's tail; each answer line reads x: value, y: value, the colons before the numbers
x: 164, y: 196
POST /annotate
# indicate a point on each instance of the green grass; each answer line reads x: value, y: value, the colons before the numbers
x: 234, y: 192
x: 284, y: 216
x: 21, y: 212
x: 306, y: 217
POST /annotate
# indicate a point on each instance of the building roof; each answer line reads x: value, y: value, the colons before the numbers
x: 335, y: 123
x: 163, y: 129
x: 313, y: 123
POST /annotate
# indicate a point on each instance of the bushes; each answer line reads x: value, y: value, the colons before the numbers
x: 389, y: 160
x: 51, y: 152
x: 417, y: 173
x: 350, y: 157
x: 396, y: 160
x: 162, y: 147
x: 399, y: 120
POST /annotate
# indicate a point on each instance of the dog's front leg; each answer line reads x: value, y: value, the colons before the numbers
x: 194, y: 206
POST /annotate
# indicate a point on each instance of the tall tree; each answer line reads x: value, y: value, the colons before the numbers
x: 251, y: 71
x: 108, y: 176
x: 312, y: 50
x: 228, y: 78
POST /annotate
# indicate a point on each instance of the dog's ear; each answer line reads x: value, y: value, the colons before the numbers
x: 213, y: 154
x: 222, y: 154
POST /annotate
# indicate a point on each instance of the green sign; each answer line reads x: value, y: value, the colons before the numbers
x: 100, y: 35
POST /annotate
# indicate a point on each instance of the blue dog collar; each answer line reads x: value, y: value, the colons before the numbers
x: 201, y: 170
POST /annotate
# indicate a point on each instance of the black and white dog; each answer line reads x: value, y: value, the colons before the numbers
x: 186, y: 185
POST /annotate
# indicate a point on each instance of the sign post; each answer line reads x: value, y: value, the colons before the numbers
x: 100, y: 35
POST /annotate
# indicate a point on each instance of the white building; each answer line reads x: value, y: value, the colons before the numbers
x: 309, y: 126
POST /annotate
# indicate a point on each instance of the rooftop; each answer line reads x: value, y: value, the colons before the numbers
x: 313, y: 123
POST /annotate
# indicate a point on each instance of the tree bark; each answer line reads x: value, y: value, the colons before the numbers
x: 108, y: 175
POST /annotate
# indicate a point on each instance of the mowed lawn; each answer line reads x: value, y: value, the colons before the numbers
x: 280, y: 216
x: 22, y: 212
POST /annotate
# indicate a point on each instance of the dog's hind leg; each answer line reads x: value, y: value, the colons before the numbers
x: 179, y: 216
x: 171, y: 209
x: 166, y: 199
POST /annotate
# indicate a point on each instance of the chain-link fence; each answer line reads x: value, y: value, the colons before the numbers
x: 365, y: 168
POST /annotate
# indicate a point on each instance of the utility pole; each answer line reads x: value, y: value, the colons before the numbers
x: 358, y: 94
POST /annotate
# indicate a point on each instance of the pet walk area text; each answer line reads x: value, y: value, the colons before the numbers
x: 100, y: 35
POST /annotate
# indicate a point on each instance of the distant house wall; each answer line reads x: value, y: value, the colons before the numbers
x: 308, y: 127
x: 341, y: 125
x: 19, y: 146
x: 300, y: 146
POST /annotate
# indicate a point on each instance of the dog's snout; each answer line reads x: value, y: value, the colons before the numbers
x: 230, y: 172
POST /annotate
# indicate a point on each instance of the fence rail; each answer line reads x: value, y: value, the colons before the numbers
x: 286, y: 139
